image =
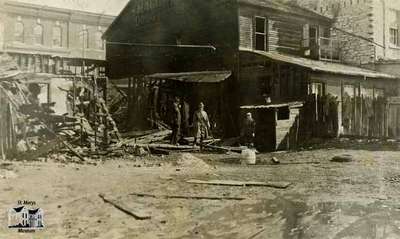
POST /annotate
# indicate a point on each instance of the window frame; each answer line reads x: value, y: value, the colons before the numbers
x: 35, y: 35
x: 60, y: 39
x: 263, y: 34
x: 394, y: 39
x: 100, y: 44
x: 21, y: 37
x: 84, y: 38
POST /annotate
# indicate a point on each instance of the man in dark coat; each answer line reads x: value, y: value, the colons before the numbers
x: 249, y: 130
x: 176, y: 121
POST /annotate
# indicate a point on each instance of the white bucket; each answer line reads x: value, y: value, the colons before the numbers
x: 249, y: 156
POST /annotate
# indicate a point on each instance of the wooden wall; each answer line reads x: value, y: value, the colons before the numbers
x: 362, y: 103
x: 285, y: 32
x: 282, y: 82
x: 179, y: 22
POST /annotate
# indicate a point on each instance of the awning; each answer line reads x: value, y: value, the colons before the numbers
x: 321, y: 66
x: 295, y: 104
x: 193, y: 77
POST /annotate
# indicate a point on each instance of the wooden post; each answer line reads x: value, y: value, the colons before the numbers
x: 354, y: 118
x: 341, y: 107
x: 105, y: 137
x: 74, y: 95
x: 360, y: 97
x: 10, y: 128
x: 2, y: 153
x: 129, y: 112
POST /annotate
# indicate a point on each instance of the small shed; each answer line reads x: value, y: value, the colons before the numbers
x: 277, y: 125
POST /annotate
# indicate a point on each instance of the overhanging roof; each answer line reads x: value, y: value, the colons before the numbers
x: 321, y: 66
x: 295, y: 104
x: 193, y: 77
x: 286, y: 8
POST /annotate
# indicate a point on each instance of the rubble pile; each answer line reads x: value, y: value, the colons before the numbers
x: 32, y: 129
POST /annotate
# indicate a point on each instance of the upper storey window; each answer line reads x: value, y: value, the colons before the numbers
x: 261, y: 34
x: 19, y: 30
x: 57, y: 35
x: 84, y: 37
x: 38, y: 33
x: 394, y: 19
x: 99, y: 40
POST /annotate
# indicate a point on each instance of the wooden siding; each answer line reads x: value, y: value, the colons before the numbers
x: 285, y: 33
x: 184, y: 22
x: 246, y: 32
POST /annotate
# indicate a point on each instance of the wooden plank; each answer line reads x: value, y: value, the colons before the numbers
x: 197, y: 197
x: 134, y: 212
x: 281, y: 185
x: 166, y: 146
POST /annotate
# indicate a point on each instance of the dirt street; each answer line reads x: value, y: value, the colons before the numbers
x: 358, y: 199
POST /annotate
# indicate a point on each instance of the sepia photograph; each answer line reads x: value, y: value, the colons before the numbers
x: 208, y: 119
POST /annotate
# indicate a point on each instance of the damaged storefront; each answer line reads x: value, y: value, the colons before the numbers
x: 44, y: 112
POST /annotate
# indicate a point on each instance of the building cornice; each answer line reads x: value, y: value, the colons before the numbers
x: 43, y: 11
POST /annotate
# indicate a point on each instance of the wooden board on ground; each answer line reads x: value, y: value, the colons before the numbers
x: 166, y: 146
x: 150, y: 138
x: 197, y: 197
x: 128, y: 209
x: 281, y: 185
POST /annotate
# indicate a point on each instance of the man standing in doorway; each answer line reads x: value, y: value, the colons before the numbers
x: 201, y: 125
x: 176, y: 121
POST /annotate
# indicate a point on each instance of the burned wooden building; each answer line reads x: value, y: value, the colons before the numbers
x: 278, y: 60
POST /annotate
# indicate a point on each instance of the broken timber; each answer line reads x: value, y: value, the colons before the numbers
x: 137, y: 214
x: 280, y: 185
x: 188, y: 197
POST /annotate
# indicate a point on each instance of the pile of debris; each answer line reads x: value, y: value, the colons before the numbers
x: 31, y: 128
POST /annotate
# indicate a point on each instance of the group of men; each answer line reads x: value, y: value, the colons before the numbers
x: 201, y: 123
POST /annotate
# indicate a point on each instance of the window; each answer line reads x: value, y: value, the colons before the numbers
x: 394, y: 36
x: 57, y: 35
x: 19, y: 31
x: 84, y: 37
x: 317, y: 89
x: 283, y: 113
x: 38, y: 34
x: 261, y: 34
x: 99, y: 40
x: 394, y: 20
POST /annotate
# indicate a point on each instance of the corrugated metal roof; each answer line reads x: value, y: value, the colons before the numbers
x: 321, y: 66
x: 194, y: 77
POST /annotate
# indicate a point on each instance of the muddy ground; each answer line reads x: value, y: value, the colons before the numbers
x: 358, y: 199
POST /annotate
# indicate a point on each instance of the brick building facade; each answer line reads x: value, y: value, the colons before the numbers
x: 52, y: 40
